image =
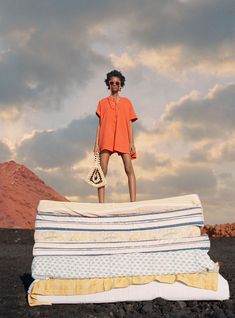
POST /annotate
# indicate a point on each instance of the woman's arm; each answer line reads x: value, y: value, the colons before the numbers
x: 96, y: 146
x: 132, y: 146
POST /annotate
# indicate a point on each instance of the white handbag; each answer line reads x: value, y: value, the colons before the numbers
x: 96, y: 176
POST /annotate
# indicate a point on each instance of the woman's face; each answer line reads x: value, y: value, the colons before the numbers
x: 114, y: 84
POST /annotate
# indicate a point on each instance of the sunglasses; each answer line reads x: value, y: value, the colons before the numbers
x: 115, y: 83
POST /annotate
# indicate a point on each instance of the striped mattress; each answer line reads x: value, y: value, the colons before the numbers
x: 117, y: 232
x: 76, y: 240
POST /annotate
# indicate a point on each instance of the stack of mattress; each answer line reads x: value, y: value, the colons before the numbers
x: 109, y: 252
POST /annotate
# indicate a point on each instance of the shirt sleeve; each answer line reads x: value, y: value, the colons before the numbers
x: 98, y: 109
x: 132, y: 114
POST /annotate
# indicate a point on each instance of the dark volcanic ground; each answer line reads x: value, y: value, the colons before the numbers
x: 15, y: 267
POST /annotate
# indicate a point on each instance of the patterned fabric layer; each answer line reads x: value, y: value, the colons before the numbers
x: 134, y: 264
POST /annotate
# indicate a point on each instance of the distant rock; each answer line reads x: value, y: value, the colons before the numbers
x: 222, y: 230
x: 20, y: 192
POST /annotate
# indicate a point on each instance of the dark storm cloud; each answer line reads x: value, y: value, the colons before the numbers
x: 228, y: 152
x: 46, y: 47
x: 46, y: 50
x: 209, y: 117
x: 214, y: 152
x: 199, y: 132
x: 43, y: 79
x: 5, y: 152
x: 197, y: 25
x: 150, y: 161
x: 59, y: 148
x: 66, y: 182
x: 191, y: 179
x: 200, y: 153
x: 183, y: 180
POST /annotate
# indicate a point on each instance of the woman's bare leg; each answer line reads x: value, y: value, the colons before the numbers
x: 104, y: 159
x: 126, y: 158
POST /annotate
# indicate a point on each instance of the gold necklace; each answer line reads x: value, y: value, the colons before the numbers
x: 114, y: 100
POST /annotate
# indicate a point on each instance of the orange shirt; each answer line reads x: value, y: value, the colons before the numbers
x: 115, y: 124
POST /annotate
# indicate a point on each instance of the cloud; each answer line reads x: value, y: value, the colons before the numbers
x: 220, y: 207
x: 179, y: 22
x: 203, y: 29
x: 123, y: 62
x: 150, y: 160
x: 171, y: 41
x: 209, y: 117
x: 50, y: 49
x: 185, y: 179
x: 219, y: 152
x: 68, y: 182
x: 5, y: 152
x: 181, y: 179
x: 44, y: 76
x: 227, y: 151
x: 201, y: 152
x: 45, y: 53
x: 59, y: 148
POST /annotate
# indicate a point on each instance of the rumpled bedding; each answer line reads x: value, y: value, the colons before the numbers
x: 76, y: 286
x: 175, y: 291
x: 89, y: 248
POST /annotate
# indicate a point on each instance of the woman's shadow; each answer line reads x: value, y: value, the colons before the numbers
x: 26, y: 279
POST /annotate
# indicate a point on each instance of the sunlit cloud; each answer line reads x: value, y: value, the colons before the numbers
x: 179, y: 62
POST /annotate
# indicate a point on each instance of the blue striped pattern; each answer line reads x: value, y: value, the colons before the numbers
x: 105, y: 240
x: 150, y: 218
x: 109, y: 248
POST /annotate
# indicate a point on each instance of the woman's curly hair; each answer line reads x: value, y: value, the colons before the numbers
x: 116, y: 74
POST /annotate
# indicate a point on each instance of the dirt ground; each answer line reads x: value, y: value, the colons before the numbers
x: 15, y: 277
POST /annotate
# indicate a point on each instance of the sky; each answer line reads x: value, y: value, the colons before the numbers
x: 178, y: 57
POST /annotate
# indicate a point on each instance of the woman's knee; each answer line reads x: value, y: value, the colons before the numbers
x: 129, y: 170
x: 104, y: 159
x: 104, y: 167
x: 105, y: 170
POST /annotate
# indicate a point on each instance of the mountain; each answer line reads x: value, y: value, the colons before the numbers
x: 20, y: 192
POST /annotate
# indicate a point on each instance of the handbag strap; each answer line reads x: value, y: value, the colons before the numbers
x: 97, y: 159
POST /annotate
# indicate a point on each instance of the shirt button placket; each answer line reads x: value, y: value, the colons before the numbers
x: 115, y: 122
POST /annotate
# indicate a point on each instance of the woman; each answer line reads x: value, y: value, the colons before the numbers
x: 115, y: 132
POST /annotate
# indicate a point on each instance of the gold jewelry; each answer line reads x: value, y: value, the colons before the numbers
x: 114, y: 99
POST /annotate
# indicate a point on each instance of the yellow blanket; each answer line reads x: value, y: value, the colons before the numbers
x: 65, y: 287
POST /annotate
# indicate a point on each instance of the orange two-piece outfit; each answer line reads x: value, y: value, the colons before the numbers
x: 115, y: 118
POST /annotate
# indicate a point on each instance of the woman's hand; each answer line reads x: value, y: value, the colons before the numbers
x: 132, y: 148
x: 96, y: 148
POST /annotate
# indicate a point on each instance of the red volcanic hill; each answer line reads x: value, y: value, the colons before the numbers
x: 20, y: 192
